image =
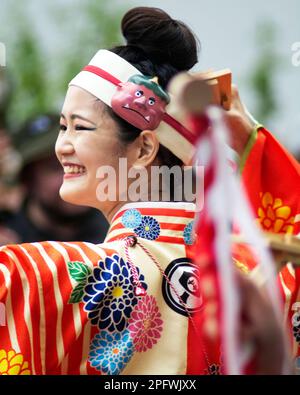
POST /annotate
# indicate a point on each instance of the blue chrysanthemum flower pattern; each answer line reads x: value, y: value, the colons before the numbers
x: 111, y: 352
x: 131, y: 218
x: 148, y: 229
x: 188, y: 236
x: 109, y: 294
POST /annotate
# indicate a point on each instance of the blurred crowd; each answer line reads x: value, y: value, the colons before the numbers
x: 30, y: 177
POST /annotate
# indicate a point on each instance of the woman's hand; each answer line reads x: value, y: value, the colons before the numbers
x: 239, y: 122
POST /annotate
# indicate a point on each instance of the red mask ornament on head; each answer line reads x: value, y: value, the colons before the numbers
x: 141, y: 102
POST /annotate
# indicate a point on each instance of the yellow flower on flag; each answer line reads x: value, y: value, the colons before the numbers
x: 12, y: 363
x: 274, y: 216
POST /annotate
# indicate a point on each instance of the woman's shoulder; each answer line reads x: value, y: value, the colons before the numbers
x: 53, y: 252
x: 52, y: 265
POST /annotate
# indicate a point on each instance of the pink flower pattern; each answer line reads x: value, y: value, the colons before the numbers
x: 145, y: 324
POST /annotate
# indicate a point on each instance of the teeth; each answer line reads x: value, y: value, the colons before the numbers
x: 126, y: 105
x: 148, y: 118
x: 74, y: 169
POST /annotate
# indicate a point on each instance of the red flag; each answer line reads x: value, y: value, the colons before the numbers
x: 272, y: 179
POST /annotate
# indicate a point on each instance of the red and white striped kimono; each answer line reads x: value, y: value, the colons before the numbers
x: 71, y: 308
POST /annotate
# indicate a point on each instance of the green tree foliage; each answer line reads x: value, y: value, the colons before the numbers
x: 91, y: 25
x: 28, y: 73
x: 264, y: 72
x: 39, y: 71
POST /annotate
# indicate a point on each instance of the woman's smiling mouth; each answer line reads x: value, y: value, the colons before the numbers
x: 72, y: 170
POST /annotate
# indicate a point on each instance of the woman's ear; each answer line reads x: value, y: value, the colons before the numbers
x: 148, y: 146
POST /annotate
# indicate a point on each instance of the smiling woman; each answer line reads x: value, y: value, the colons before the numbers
x: 88, y: 139
x: 132, y: 304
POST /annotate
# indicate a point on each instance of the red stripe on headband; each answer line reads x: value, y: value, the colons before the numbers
x: 187, y: 134
x: 102, y: 73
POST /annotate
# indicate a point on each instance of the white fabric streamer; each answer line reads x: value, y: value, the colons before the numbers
x: 227, y: 204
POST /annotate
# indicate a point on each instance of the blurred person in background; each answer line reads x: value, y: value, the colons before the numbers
x: 43, y: 215
x: 11, y: 193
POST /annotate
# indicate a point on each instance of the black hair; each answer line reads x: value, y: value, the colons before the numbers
x: 156, y: 45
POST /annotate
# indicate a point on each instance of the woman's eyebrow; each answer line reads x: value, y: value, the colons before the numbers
x: 74, y: 116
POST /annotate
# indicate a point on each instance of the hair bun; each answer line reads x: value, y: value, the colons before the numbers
x: 163, y: 39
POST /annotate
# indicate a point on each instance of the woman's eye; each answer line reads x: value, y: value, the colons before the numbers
x: 151, y: 101
x: 63, y: 128
x: 139, y: 93
x: 79, y: 127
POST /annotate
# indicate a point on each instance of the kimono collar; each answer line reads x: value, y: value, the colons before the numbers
x: 166, y: 222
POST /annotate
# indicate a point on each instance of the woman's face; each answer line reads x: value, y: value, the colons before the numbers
x: 88, y: 139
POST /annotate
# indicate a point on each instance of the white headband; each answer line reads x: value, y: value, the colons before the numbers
x: 172, y: 134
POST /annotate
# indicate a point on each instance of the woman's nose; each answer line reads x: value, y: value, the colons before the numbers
x: 64, y: 144
x: 140, y: 102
